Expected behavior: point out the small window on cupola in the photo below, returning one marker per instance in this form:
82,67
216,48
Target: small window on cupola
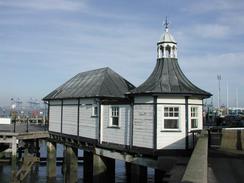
168,51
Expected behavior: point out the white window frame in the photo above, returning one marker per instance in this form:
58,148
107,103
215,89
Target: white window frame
171,117
114,114
194,115
94,110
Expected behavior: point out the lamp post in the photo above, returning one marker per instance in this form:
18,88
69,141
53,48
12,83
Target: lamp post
227,97
219,79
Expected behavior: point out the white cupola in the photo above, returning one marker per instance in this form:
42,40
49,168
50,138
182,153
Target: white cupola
167,46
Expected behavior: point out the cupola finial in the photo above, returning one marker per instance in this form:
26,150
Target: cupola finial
166,24
167,46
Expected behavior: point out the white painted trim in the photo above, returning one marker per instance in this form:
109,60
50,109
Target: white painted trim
101,125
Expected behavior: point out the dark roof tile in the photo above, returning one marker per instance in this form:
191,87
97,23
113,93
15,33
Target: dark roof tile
102,82
167,78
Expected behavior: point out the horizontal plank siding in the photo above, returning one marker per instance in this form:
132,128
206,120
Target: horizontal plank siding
70,119
88,124
55,118
117,135
143,126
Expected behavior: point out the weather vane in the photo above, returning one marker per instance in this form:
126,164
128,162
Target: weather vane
166,24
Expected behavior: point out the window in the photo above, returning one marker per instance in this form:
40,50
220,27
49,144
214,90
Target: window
171,118
94,111
194,116
115,116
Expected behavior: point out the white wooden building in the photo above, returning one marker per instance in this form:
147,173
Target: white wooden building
102,108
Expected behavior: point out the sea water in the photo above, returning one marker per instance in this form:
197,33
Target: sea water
38,173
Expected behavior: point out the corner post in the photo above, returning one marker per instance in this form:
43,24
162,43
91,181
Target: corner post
155,123
187,123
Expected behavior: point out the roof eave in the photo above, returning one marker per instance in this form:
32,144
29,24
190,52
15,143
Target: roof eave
206,95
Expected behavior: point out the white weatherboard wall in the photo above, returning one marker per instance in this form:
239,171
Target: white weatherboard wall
70,115
88,124
170,139
116,135
143,122
55,116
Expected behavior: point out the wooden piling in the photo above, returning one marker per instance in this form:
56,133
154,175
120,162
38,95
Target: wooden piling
51,162
136,173
71,165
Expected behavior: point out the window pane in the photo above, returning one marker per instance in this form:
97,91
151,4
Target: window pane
194,111
171,109
166,114
176,109
95,111
166,109
194,123
176,114
115,111
171,123
115,121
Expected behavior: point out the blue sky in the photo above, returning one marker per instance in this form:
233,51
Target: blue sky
45,42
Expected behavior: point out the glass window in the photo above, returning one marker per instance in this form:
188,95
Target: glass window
194,112
94,111
193,123
194,117
171,123
171,118
115,116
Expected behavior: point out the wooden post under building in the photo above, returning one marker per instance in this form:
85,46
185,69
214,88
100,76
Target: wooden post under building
51,160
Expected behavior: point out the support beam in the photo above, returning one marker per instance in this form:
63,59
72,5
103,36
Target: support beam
136,173
64,166
128,171
71,162
101,170
158,176
88,166
37,148
51,160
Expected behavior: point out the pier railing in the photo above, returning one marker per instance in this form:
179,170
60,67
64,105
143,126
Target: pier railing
22,127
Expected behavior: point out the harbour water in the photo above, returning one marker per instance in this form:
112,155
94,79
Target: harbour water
39,171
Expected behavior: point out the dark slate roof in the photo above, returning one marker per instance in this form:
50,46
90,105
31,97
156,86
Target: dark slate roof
102,82
167,78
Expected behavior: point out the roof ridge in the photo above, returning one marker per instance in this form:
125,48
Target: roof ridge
103,79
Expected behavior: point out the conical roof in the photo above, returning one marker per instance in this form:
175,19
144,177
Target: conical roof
167,78
166,37
102,82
